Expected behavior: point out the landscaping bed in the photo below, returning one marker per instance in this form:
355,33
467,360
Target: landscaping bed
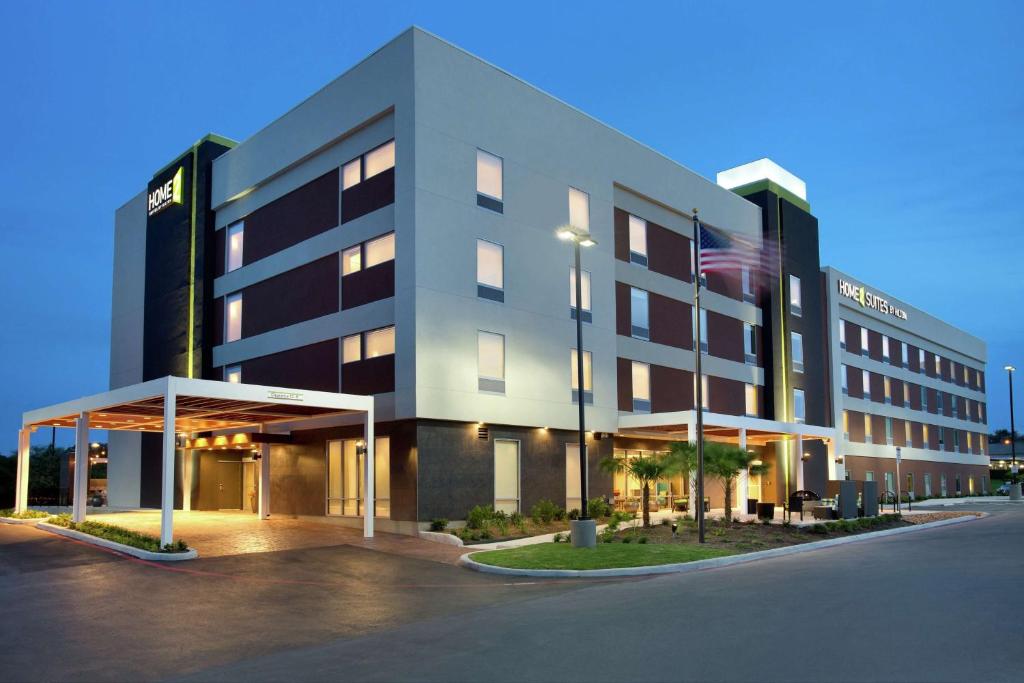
9,513
117,534
487,525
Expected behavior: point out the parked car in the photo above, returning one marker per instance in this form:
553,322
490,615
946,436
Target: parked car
1004,489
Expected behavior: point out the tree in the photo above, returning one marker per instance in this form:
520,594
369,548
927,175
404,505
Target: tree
1001,435
722,461
646,469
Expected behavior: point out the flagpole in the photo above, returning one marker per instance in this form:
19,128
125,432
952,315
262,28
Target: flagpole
698,380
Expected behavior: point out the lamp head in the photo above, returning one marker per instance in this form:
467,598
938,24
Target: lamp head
1010,368
570,233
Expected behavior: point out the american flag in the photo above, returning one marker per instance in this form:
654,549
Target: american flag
725,251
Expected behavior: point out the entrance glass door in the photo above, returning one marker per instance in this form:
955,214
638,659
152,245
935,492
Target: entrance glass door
346,478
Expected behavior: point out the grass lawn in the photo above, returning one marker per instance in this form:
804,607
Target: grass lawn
604,556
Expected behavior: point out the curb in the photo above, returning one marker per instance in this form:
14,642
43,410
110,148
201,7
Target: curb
33,521
441,537
713,563
189,554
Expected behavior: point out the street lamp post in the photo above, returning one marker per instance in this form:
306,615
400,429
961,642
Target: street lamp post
1013,430
584,529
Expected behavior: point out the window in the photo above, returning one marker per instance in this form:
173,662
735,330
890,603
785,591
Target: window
969,446
942,485
346,477
797,351
906,394
939,401
380,342
352,348
579,209
705,395
890,483
794,295
748,285
863,341
954,407
490,270
904,351
865,378
749,344
846,425
887,384
885,348
869,476
641,387
938,365
638,240
924,398
506,475
703,328
585,292
842,335
910,485
639,314
369,254
489,178
380,250
233,321
573,497
966,381
491,361
799,409
233,374
368,165
844,382
956,440
942,438
906,434
867,429
888,430
924,437
352,260
750,400
920,361
588,377
927,484
236,239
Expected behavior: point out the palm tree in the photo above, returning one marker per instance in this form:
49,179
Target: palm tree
722,461
646,469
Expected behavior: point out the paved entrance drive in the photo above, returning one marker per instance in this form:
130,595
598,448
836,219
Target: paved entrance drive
217,534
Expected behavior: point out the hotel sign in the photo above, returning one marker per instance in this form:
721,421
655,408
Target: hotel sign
285,395
171,192
866,299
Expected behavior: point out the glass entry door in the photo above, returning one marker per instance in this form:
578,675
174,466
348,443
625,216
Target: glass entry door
346,478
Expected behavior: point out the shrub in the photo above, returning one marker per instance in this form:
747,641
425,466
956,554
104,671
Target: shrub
664,522
627,539
642,539
818,529
598,507
559,514
502,524
557,538
27,514
574,513
438,524
479,517
119,534
485,534
544,511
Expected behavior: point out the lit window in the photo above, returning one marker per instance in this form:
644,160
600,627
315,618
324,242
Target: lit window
380,342
888,430
490,270
352,348
641,387
748,285
506,476
380,250
797,346
906,433
887,384
638,240
969,441
846,425
233,323
938,365
906,394
379,160
749,344
750,399
579,209
885,348
351,173
863,341
236,236
639,314
794,295
588,376
843,377
865,379
491,360
233,374
703,328
920,361
867,428
965,375
904,351
584,291
842,334
705,400
489,175
799,408
352,260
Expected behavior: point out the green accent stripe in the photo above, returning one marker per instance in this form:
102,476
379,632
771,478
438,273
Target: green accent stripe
192,266
761,185
211,137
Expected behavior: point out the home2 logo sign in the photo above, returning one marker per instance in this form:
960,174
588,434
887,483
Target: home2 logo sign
171,192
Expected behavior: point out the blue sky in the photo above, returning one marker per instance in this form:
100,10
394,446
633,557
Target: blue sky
903,118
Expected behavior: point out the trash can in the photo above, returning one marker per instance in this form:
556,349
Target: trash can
751,506
766,510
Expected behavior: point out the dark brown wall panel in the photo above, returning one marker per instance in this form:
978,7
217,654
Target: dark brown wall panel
877,388
896,351
944,367
896,386
874,345
913,358
369,284
727,284
933,401
293,218
369,376
917,435
368,196
852,337
671,389
621,235
854,382
725,337
624,383
933,437
304,293
671,321
727,396
899,432
622,309
313,367
855,420
668,252
878,429
915,396
929,364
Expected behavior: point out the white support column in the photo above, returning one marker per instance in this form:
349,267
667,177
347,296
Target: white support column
799,462
81,468
833,466
167,478
743,481
369,504
264,482
21,478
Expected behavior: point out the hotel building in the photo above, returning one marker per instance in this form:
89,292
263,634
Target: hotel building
393,235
